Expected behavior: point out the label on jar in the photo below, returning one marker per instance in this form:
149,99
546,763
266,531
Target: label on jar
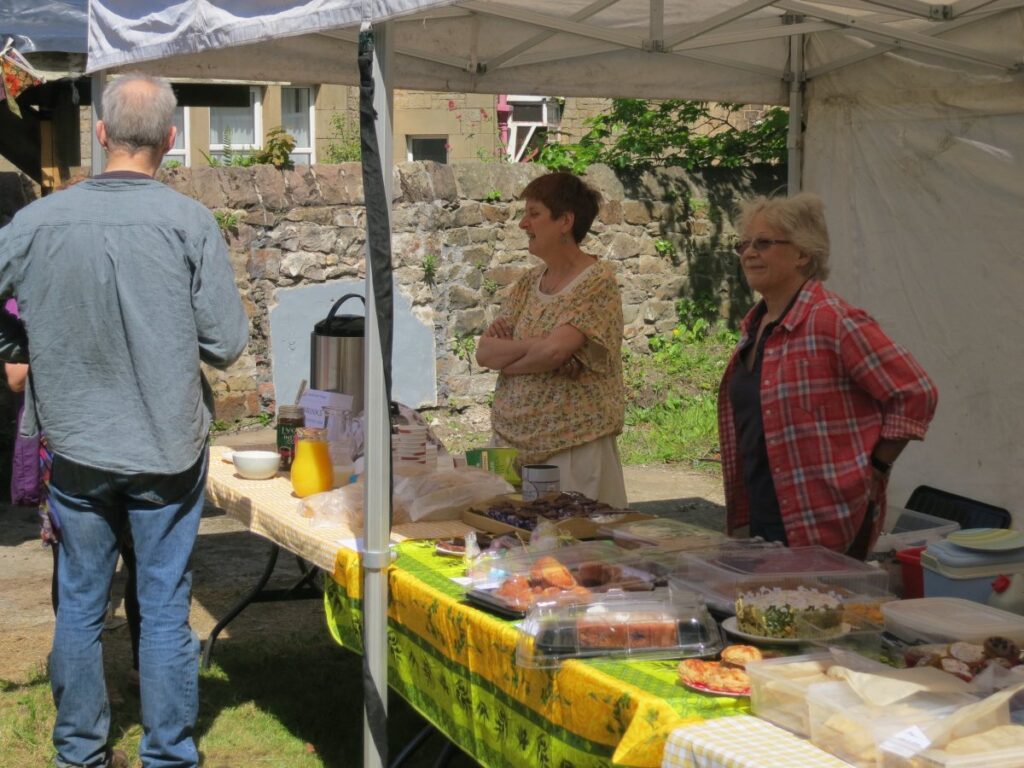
286,443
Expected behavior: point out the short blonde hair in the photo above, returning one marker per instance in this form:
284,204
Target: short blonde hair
802,219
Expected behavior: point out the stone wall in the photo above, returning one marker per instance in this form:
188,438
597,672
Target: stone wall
668,234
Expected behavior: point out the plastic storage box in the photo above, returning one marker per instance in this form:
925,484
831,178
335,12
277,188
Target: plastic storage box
664,533
912,529
911,578
953,571
947,619
723,575
778,687
845,725
617,626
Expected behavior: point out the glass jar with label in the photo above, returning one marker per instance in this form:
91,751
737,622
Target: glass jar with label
289,419
312,471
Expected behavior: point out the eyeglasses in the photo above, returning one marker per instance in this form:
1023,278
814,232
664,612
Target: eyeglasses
760,244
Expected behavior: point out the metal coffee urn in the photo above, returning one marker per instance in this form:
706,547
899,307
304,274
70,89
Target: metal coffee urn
336,353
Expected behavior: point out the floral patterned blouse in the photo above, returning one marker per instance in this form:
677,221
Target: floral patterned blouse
542,414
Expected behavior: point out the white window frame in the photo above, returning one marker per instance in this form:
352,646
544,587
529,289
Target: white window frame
550,116
257,127
410,137
183,156
311,149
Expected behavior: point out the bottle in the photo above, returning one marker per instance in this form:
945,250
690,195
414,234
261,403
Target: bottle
311,468
289,419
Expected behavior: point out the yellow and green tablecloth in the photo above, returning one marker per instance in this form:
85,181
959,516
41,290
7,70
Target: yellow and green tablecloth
457,666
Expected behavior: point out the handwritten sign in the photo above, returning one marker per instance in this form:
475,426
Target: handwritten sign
315,403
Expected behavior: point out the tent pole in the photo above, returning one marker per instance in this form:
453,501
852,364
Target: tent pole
376,555
795,138
97,155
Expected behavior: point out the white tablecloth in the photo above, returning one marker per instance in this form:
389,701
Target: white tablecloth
742,742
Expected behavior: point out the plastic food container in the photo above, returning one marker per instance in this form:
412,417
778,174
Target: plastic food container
853,730
938,758
912,529
918,751
512,583
723,575
617,625
947,619
953,571
664,533
778,687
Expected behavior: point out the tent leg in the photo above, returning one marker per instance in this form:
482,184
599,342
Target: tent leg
376,556
409,749
795,137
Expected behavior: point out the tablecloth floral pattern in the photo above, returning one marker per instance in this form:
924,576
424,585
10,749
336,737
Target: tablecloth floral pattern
456,665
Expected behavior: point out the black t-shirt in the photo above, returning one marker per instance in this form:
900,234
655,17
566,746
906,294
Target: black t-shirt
745,396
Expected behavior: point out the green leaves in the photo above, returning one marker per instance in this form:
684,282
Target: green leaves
636,134
345,146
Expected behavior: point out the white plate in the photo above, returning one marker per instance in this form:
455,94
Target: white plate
987,539
730,626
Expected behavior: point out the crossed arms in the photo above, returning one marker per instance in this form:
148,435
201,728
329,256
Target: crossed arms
499,351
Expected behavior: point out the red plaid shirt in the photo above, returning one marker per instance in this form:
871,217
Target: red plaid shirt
833,384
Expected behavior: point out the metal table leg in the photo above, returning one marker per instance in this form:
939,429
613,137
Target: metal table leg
303,589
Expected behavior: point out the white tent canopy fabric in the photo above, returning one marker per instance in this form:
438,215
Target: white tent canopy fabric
914,115
721,50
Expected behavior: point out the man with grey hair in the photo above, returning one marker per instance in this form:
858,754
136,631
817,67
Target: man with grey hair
124,287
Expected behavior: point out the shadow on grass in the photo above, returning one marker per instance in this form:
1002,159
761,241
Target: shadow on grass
293,702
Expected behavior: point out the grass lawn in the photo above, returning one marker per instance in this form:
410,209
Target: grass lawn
672,397
293,702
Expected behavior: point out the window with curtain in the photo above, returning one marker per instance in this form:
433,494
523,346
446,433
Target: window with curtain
297,119
240,128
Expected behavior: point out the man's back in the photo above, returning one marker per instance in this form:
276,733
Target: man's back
123,285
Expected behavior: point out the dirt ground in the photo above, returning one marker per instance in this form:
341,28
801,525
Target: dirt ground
227,561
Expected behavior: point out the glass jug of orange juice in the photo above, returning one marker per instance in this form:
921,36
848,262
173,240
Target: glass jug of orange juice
311,469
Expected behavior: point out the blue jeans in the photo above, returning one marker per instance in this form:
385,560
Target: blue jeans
163,513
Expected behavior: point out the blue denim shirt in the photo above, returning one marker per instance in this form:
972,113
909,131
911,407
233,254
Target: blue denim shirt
124,286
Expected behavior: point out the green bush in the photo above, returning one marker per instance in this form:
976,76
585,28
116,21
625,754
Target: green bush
344,146
638,134
672,394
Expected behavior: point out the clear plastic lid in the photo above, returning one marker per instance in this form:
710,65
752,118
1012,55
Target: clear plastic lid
724,574
512,583
617,625
947,619
664,533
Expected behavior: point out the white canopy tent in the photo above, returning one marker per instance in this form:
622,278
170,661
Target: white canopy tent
914,137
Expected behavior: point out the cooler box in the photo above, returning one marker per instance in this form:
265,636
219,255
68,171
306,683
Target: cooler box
952,571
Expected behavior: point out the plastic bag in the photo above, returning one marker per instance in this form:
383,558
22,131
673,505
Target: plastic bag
344,506
441,494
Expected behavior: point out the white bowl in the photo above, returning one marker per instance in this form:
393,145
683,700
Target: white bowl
257,465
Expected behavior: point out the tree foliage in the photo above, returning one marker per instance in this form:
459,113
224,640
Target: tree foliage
639,134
